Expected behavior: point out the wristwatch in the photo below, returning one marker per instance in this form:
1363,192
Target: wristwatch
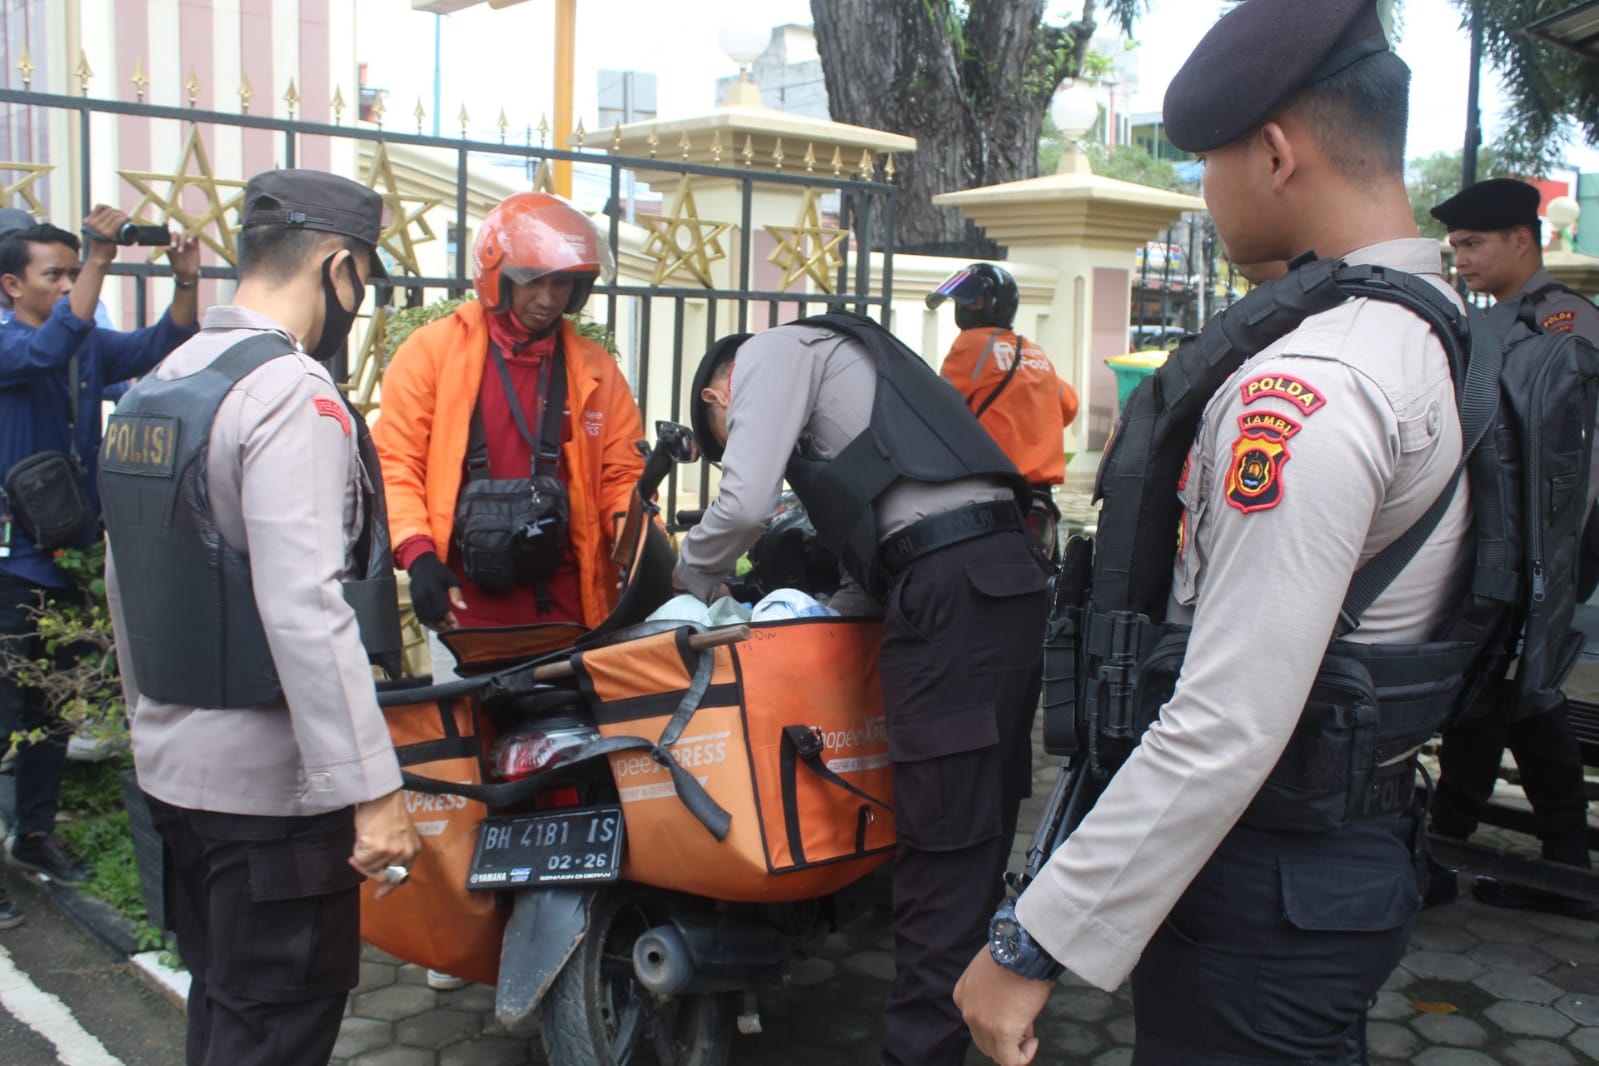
1017,951
180,283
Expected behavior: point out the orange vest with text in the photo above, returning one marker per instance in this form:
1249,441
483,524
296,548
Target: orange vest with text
1030,414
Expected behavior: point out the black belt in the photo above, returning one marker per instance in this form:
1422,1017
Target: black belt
941,530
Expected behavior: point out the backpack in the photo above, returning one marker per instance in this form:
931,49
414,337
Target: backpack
1530,477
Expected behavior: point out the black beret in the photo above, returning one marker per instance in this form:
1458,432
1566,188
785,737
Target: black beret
1256,57
721,352
1498,203
316,200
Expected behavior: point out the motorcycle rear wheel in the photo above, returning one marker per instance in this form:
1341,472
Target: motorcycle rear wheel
597,1014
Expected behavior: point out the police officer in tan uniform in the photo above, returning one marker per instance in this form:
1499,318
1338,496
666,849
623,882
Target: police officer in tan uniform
844,413
245,517
1248,944
1494,230
1494,227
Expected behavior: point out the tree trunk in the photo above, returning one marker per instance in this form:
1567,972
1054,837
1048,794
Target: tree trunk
973,95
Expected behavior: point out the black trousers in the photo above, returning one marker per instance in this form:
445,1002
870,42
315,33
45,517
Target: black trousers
1276,949
1550,761
962,638
267,916
38,766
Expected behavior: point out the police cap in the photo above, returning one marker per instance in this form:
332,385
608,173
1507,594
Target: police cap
316,200
1498,203
721,352
1259,55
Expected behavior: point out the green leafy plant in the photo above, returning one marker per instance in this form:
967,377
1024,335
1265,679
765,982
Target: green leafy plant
78,671
407,320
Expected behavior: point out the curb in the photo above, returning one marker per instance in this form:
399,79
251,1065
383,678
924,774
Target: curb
93,914
173,984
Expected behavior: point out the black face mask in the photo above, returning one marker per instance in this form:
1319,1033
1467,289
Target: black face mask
336,321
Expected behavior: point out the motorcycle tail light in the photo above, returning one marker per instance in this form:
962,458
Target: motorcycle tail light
518,755
557,798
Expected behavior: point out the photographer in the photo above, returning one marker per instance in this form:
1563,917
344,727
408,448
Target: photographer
54,364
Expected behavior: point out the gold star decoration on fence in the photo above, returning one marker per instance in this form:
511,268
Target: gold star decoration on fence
808,248
222,195
544,177
366,368
23,186
405,211
684,241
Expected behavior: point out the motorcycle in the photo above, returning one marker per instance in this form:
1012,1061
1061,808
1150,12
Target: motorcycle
667,829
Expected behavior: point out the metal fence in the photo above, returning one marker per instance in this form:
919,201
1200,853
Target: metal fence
1182,279
861,271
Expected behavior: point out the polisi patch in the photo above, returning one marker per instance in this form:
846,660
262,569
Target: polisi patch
334,410
1255,475
142,445
1560,322
1295,391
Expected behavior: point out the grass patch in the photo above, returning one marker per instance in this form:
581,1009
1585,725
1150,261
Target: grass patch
93,788
97,829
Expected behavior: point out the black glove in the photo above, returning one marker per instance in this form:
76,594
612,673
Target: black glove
431,582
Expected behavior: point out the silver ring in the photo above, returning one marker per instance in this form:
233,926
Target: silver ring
396,875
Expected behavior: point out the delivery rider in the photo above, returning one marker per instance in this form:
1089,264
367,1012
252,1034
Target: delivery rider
1009,384
500,397
924,508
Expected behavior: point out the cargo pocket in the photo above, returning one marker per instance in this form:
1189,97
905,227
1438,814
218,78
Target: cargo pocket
949,802
1009,602
298,934
1344,930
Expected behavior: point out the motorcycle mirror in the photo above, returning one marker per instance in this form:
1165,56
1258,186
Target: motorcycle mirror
677,440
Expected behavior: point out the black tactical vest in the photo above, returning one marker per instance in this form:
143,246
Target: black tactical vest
1112,659
921,430
191,623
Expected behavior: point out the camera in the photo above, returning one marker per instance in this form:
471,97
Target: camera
147,236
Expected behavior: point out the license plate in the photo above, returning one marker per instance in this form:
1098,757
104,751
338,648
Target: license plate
560,847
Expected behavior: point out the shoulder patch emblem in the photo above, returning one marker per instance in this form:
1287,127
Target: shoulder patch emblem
335,410
1182,479
1255,476
1296,392
1560,322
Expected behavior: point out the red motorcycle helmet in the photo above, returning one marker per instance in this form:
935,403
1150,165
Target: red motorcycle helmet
533,234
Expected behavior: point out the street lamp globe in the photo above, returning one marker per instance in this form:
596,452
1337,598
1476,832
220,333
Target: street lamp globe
1075,109
743,45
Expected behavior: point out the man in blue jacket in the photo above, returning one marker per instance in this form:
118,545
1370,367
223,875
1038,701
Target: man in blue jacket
50,335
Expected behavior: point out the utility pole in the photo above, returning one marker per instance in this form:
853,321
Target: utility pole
1468,155
565,44
438,77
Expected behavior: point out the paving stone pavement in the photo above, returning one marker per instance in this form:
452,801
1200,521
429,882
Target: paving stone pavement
1478,985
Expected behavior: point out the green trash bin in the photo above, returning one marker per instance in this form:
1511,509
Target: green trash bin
1132,368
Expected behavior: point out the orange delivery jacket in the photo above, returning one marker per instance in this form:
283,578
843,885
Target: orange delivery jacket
1032,412
429,391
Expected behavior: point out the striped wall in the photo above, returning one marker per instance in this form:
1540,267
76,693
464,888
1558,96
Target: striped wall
221,42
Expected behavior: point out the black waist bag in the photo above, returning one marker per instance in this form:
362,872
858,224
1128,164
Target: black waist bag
48,502
512,531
